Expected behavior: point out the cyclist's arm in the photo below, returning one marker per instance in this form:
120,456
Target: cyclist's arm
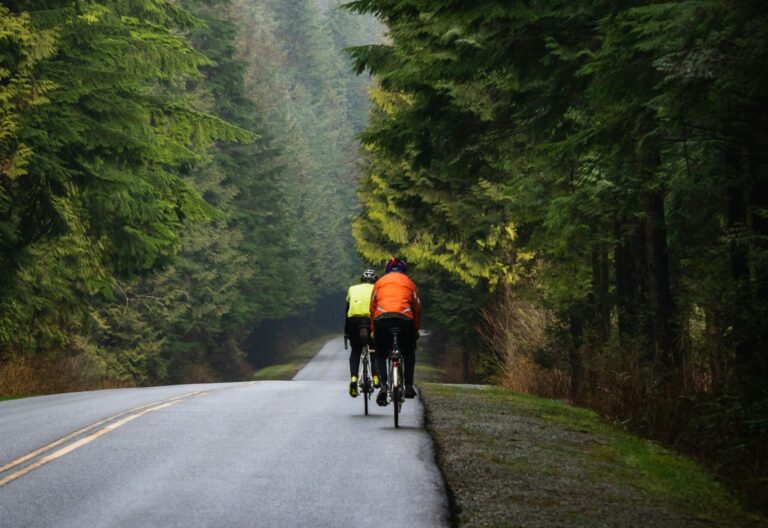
416,307
372,307
346,311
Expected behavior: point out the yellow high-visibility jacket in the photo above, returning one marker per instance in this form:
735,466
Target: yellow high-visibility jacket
359,300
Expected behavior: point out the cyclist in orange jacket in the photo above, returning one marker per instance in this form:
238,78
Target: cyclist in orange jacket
395,303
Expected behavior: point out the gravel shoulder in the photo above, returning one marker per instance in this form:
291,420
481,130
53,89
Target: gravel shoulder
517,460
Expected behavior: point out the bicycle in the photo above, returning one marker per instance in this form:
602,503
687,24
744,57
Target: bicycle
365,382
395,388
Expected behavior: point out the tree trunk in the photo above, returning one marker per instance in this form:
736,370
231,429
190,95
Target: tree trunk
626,291
465,364
736,217
576,319
660,294
746,231
600,293
757,218
663,330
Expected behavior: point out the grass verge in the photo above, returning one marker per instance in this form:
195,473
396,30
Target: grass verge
293,361
518,460
427,369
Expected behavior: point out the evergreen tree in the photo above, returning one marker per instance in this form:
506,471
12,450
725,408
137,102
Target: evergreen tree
174,175
102,192
606,162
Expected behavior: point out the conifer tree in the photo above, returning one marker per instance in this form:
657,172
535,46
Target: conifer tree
102,192
610,155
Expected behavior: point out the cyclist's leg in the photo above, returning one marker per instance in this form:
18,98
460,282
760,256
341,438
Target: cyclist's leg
372,351
374,372
355,345
406,341
354,357
409,351
354,365
383,345
374,367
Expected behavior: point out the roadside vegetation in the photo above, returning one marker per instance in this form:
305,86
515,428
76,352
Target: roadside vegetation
519,460
11,397
170,173
582,188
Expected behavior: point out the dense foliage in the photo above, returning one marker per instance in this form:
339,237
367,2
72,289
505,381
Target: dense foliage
598,171
170,175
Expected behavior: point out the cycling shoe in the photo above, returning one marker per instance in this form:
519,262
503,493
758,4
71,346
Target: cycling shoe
381,399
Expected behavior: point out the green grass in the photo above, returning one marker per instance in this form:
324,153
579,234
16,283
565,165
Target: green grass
12,397
636,461
592,466
426,364
293,361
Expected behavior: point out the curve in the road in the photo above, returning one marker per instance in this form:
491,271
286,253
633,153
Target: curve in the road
296,453
43,455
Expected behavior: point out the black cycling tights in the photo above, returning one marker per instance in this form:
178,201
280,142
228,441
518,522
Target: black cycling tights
356,343
406,339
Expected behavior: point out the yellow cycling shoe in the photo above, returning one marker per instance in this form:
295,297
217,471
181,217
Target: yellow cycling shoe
376,383
353,387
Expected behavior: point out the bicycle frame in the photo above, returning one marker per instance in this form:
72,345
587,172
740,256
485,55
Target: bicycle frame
395,385
364,379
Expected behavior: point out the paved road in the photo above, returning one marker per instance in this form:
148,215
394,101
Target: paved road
297,453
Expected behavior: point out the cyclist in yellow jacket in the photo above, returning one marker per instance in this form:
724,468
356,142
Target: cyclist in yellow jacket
358,317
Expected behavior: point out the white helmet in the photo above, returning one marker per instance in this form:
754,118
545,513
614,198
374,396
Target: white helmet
369,275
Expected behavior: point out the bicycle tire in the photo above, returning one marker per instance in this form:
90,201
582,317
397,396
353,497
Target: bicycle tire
396,389
396,405
366,384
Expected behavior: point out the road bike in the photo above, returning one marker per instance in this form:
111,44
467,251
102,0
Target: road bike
395,386
365,382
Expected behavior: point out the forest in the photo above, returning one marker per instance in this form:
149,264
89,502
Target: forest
174,177
580,188
583,187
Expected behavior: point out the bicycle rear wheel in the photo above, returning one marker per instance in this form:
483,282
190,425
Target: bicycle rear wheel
396,404
366,384
397,388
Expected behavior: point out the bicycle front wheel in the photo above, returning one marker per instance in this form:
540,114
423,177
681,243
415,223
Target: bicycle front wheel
366,384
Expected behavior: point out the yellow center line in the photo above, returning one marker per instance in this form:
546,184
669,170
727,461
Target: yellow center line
70,436
80,443
132,414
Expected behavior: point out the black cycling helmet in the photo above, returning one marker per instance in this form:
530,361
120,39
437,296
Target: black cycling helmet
369,275
397,264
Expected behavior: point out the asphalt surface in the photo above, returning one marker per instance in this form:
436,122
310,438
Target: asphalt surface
295,453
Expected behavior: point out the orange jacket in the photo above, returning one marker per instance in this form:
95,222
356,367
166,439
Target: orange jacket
396,293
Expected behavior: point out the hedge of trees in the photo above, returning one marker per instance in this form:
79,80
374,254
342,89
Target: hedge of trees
601,164
171,173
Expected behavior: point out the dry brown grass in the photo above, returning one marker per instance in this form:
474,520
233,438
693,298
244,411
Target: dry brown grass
25,376
516,330
694,408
